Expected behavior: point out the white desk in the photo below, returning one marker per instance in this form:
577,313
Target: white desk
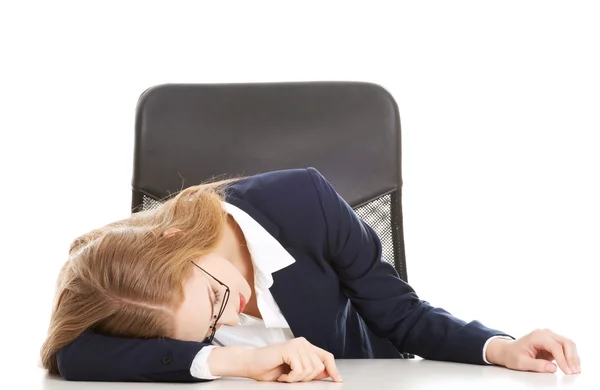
365,374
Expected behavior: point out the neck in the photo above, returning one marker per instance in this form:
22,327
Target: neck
236,251
239,256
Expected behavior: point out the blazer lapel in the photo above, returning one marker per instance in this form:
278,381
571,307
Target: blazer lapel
296,298
290,288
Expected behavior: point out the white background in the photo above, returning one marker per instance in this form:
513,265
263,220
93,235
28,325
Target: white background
499,104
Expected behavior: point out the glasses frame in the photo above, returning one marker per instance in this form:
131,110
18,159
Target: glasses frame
216,317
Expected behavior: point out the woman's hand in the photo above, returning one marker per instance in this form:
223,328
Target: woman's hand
535,352
296,360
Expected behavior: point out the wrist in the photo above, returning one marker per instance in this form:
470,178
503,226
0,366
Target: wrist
229,361
495,351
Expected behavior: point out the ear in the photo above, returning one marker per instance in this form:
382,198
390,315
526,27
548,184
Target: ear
171,231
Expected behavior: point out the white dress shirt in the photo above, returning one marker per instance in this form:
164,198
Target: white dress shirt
268,256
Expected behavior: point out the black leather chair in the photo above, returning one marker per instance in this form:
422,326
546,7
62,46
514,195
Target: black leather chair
350,131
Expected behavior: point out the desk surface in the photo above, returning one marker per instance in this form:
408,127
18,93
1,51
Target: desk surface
364,374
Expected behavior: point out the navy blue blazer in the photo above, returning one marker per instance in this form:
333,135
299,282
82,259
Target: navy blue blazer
339,294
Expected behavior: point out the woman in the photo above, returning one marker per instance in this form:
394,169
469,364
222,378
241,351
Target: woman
269,277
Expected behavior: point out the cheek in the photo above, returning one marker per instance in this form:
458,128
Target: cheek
191,316
231,276
188,324
244,287
238,286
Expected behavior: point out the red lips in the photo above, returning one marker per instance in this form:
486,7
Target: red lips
242,303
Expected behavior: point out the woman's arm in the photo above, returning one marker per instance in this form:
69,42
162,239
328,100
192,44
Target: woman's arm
389,306
96,357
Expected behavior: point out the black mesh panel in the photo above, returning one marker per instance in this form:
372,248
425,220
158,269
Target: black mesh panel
149,203
377,214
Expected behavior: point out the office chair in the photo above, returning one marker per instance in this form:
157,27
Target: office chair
187,134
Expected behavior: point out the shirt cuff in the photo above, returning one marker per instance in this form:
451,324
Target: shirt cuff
200,367
488,341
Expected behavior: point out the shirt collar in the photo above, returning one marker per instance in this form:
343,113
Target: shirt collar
267,254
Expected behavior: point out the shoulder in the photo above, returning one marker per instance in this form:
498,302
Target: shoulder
272,185
290,199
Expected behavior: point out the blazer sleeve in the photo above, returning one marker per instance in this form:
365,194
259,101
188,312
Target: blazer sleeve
97,357
389,306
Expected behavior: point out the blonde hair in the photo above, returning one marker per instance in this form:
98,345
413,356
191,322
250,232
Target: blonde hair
125,279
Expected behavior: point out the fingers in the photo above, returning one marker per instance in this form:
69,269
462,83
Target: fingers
562,349
309,363
318,366
322,375
308,367
570,351
555,348
304,364
329,362
296,369
536,365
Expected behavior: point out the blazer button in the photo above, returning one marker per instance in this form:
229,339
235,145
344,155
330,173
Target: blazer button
167,359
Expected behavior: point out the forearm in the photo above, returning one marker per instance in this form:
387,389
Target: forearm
436,334
96,357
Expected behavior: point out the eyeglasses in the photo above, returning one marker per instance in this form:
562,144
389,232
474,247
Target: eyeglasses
216,317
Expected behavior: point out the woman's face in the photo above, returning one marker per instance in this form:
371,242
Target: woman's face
203,298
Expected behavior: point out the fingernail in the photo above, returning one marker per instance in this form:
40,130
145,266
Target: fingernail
339,378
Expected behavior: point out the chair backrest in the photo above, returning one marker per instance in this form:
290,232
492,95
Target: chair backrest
187,134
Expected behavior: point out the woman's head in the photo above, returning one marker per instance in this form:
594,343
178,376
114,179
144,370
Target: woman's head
132,277
216,291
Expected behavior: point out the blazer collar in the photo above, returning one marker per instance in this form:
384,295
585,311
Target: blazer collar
254,213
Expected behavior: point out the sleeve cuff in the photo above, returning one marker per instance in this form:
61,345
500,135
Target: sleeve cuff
486,345
200,367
